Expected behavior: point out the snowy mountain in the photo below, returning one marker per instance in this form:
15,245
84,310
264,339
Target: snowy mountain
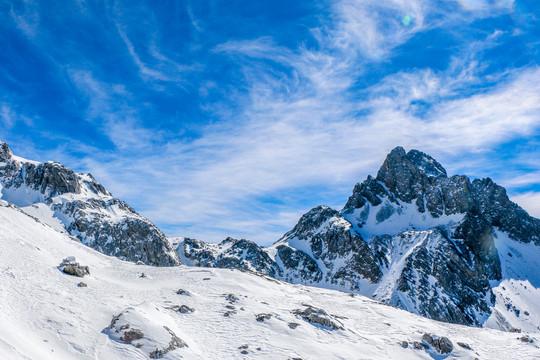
121,310
447,248
79,205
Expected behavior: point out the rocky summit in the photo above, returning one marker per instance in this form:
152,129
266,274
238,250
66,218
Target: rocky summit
79,205
447,248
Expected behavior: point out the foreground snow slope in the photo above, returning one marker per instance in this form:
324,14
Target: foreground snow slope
45,315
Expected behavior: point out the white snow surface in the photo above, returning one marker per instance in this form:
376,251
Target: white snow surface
45,315
518,294
404,217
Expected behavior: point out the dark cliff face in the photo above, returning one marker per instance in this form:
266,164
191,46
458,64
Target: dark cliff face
5,152
52,179
405,174
327,234
87,210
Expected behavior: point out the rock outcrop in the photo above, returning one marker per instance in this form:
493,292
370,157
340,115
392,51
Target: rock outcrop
85,208
70,266
139,327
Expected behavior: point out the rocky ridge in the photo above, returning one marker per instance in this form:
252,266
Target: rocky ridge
80,205
411,237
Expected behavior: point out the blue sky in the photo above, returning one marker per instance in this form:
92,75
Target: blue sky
218,118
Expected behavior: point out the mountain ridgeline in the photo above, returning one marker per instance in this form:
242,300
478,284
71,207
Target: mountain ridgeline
411,237
78,204
447,248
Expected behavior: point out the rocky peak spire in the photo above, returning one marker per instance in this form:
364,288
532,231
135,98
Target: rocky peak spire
5,152
402,172
413,161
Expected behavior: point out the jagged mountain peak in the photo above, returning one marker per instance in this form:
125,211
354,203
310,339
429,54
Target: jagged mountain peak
403,172
414,161
5,152
317,216
413,182
412,237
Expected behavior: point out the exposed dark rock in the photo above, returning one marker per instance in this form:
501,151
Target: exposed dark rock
121,330
5,152
81,284
71,267
262,317
184,309
231,298
464,345
182,292
174,343
442,345
136,238
427,338
328,235
237,254
293,325
318,316
132,334
526,338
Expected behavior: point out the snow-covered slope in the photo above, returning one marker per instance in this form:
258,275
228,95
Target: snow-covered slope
444,247
78,204
235,314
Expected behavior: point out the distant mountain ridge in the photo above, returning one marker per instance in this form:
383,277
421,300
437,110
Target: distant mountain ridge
80,205
447,248
412,237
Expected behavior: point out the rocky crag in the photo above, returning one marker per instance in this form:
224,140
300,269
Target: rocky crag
78,204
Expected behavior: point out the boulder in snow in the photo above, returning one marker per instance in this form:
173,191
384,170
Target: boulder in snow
318,316
442,345
70,266
146,328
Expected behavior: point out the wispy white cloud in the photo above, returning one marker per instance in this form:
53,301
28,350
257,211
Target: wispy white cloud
143,68
530,201
303,133
10,117
151,61
213,185
110,109
26,17
485,5
7,116
374,28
